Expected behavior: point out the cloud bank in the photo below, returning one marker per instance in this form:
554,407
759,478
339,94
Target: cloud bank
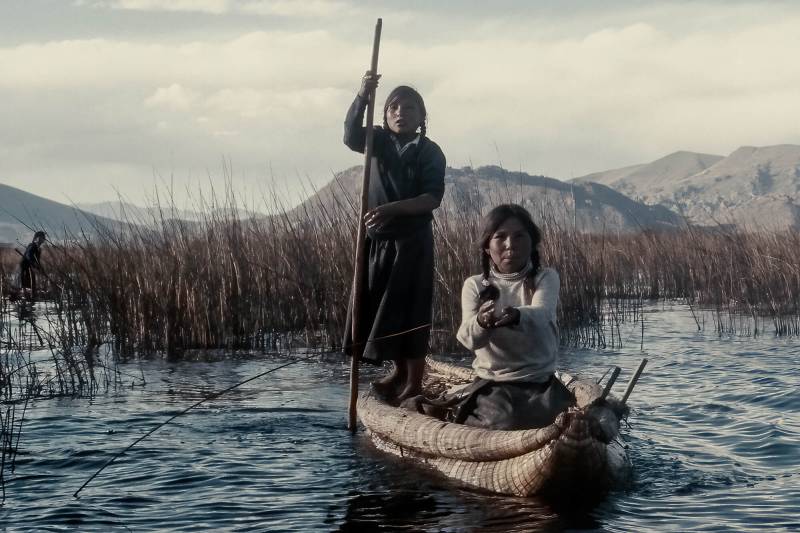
88,114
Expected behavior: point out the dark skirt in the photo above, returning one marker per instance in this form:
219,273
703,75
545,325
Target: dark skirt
512,405
397,309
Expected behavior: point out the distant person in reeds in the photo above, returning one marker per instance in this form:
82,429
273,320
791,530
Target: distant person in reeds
509,322
406,185
30,264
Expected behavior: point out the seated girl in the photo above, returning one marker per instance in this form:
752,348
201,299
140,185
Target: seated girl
509,322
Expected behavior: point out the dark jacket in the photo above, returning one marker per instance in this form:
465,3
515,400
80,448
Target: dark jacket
418,171
31,257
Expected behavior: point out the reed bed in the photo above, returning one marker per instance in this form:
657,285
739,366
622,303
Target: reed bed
264,283
268,283
747,280
34,364
253,284
8,261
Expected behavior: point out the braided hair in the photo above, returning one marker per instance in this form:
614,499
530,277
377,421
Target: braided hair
493,220
404,91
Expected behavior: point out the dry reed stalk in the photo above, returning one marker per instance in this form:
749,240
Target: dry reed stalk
257,283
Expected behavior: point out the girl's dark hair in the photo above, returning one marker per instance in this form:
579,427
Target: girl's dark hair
404,91
493,220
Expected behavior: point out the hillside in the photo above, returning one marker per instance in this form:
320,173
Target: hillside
645,182
589,206
149,216
20,211
754,187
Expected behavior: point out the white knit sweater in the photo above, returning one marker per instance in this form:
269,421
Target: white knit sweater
524,352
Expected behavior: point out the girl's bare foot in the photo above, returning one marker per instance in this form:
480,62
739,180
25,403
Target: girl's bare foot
409,392
384,391
387,387
412,385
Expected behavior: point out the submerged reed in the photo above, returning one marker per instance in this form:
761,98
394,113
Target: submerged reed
35,364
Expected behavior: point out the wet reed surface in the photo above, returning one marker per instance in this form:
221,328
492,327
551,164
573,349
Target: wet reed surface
714,438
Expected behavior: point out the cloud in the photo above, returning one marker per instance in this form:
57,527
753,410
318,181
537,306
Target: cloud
613,97
174,97
297,8
283,8
559,100
200,6
277,59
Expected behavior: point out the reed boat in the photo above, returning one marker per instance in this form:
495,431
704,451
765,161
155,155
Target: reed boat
580,453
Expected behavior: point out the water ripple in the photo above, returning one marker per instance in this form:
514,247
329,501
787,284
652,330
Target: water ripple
714,438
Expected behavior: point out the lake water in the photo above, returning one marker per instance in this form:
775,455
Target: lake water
714,438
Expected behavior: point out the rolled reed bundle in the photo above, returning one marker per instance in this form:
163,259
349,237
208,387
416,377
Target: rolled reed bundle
573,461
429,435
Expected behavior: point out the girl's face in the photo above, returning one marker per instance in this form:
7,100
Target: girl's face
510,246
404,116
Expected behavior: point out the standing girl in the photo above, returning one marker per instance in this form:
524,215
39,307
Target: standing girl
406,185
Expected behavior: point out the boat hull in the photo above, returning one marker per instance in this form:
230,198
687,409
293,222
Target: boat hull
579,453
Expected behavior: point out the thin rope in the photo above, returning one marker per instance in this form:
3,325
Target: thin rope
217,395
173,417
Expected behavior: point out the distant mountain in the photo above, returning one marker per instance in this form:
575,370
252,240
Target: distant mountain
591,207
21,213
646,182
755,187
127,212
117,210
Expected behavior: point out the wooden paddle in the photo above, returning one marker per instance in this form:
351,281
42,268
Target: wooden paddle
360,257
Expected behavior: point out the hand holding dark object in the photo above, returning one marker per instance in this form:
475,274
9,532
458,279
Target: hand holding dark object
368,84
509,317
486,315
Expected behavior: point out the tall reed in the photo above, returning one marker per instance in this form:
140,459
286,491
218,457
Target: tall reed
268,282
257,283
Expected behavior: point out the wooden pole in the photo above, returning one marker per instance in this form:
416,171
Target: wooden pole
634,379
360,257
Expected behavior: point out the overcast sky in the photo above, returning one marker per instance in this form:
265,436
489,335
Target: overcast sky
100,96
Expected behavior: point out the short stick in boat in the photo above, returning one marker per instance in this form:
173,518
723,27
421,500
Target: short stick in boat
634,379
610,383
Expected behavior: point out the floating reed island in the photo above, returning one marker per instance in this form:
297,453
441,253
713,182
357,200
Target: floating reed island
269,283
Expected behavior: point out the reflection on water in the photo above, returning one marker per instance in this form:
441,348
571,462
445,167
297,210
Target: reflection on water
714,439
370,512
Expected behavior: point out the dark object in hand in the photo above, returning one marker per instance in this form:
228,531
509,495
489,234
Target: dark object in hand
509,316
490,292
